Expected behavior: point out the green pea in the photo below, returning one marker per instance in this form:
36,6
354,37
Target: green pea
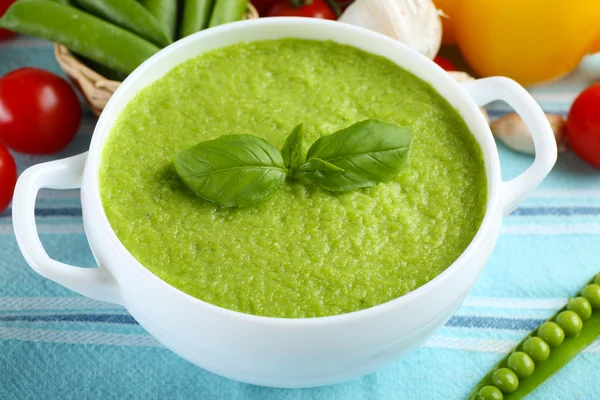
521,364
537,349
506,380
570,322
597,280
551,333
490,393
592,294
581,306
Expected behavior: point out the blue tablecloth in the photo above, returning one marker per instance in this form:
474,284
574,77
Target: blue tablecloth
55,344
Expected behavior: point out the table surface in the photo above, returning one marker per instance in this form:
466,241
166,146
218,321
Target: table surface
55,344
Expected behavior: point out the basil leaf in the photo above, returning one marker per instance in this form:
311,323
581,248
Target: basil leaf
233,170
369,152
318,171
292,152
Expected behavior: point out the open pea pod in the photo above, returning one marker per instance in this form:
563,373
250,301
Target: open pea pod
79,31
545,350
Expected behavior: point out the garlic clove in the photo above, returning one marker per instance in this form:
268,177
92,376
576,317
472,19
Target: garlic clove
512,131
415,23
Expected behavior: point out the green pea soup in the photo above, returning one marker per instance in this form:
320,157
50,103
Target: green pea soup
305,252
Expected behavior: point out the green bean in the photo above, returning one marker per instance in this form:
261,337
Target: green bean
545,365
131,15
81,32
195,17
226,11
165,11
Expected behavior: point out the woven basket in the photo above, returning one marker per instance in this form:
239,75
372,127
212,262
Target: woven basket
95,88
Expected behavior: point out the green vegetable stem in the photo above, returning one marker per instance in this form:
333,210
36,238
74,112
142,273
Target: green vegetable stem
545,350
81,32
226,11
195,16
131,15
165,11
242,170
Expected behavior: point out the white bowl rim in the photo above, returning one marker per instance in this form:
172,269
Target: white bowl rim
491,159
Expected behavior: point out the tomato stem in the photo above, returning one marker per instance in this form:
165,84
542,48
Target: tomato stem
300,3
335,7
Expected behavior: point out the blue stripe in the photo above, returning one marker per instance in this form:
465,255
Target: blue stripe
455,322
103,318
494,323
519,212
555,211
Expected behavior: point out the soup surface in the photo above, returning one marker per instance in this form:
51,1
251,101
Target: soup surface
304,252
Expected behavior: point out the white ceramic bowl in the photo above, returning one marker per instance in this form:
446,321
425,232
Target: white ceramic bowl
272,351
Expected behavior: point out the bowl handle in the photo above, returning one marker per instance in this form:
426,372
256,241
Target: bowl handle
484,91
97,283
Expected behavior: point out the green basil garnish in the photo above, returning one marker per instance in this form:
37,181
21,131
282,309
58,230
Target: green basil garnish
369,152
233,170
292,151
242,170
318,171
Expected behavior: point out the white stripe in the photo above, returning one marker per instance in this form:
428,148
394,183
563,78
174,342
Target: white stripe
587,229
485,345
43,229
136,340
78,337
518,303
54,303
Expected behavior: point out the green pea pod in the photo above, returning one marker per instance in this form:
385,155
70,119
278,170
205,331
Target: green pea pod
81,32
195,17
559,355
131,15
63,2
165,11
226,11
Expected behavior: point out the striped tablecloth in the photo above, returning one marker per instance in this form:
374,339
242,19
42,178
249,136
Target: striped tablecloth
57,345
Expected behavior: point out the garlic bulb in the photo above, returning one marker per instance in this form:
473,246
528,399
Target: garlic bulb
415,23
512,131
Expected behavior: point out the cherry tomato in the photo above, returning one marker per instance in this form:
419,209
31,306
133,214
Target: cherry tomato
263,6
311,9
4,4
39,111
583,125
8,178
444,63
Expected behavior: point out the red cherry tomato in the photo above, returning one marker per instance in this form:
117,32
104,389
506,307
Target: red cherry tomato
39,111
8,178
444,63
314,9
583,125
263,6
4,4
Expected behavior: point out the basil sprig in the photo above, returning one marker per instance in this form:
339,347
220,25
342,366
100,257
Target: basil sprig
242,170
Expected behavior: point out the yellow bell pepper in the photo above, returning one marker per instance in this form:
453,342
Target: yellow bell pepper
531,41
447,7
